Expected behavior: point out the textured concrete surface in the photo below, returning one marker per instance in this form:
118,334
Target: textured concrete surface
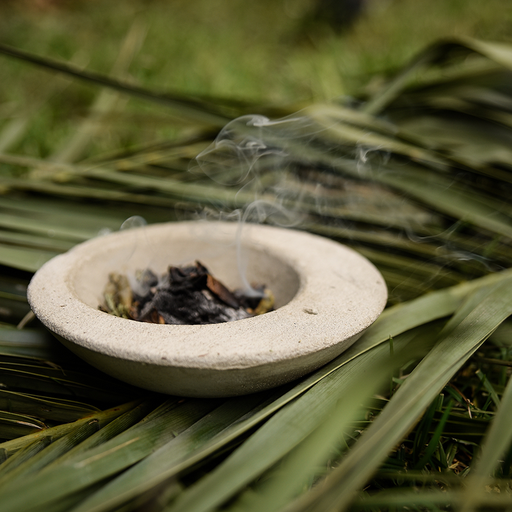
326,294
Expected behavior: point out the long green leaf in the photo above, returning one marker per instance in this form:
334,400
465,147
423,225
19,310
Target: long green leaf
45,408
48,454
200,112
14,425
104,417
30,449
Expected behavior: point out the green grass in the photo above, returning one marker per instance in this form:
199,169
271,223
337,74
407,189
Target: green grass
225,48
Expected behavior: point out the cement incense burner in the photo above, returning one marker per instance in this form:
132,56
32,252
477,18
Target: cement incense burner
326,296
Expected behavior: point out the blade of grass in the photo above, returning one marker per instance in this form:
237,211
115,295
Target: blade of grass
175,188
197,111
379,101
432,445
24,258
466,205
48,454
43,227
106,433
36,379
35,242
433,54
29,450
14,425
104,417
489,387
43,407
333,129
36,343
497,440
87,192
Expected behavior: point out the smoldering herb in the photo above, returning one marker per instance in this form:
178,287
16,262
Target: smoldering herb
184,295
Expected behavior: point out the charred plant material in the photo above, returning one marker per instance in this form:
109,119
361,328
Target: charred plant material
184,295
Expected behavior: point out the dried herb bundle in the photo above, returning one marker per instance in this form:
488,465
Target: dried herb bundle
184,295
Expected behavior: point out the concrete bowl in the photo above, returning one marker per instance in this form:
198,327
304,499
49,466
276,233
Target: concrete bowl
326,296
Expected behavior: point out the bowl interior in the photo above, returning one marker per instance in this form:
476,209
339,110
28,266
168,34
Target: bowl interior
147,248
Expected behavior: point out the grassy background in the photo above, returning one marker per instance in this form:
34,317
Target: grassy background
258,52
